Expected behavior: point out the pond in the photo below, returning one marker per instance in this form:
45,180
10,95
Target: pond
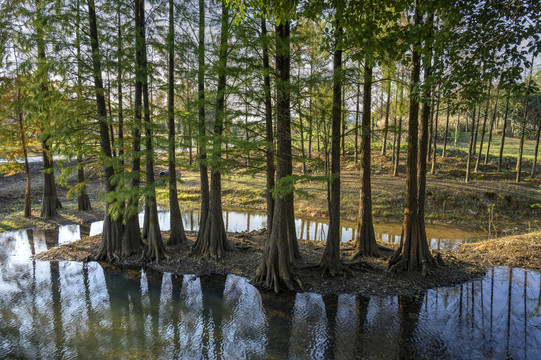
67,310
440,237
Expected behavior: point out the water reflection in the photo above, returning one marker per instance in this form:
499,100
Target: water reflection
440,238
91,310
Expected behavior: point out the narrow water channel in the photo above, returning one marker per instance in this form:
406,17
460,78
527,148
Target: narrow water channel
68,310
440,237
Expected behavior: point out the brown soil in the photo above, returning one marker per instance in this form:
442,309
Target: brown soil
369,276
12,190
449,201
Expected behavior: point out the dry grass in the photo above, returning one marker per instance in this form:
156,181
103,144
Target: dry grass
522,251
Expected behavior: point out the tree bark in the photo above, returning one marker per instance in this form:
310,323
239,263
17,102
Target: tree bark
500,159
386,124
343,121
470,149
435,138
275,271
330,261
491,126
120,97
177,235
269,136
399,136
457,128
446,132
357,110
131,238
431,126
203,172
476,131
413,253
484,128
365,240
27,191
83,201
523,130
110,246
156,248
50,202
534,163
212,240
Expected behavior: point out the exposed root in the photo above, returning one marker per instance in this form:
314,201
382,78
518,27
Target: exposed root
212,239
360,254
439,259
360,265
385,248
110,247
333,268
131,237
306,266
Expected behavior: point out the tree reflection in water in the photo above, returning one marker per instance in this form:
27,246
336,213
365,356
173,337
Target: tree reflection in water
92,310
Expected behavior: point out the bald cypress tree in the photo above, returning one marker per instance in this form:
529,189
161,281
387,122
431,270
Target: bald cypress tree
112,223
212,240
413,253
177,235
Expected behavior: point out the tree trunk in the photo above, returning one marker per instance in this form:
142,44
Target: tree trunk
386,124
435,138
50,202
476,131
470,149
491,127
119,84
483,129
269,136
131,238
413,253
357,110
330,261
521,144
177,235
399,136
275,271
111,130
156,248
393,155
534,163
83,201
431,126
446,131
457,128
301,128
365,240
343,120
523,131
500,159
27,191
110,246
203,173
212,240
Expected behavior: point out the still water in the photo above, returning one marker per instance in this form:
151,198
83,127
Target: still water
440,237
64,310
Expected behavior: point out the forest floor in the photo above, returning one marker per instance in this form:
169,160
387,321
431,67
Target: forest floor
450,202
369,275
490,197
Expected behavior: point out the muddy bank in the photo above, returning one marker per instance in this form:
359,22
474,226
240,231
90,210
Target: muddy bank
369,276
